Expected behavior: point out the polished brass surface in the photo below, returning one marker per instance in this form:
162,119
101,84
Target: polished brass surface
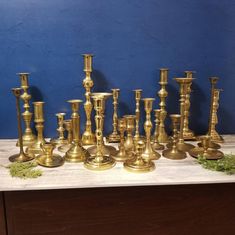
212,144
156,145
163,137
173,152
99,161
47,158
28,137
114,137
88,137
139,164
149,152
39,120
60,140
22,156
138,93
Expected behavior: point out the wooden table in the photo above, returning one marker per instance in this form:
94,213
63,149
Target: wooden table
179,197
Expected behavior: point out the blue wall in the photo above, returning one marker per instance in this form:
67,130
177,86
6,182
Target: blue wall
131,39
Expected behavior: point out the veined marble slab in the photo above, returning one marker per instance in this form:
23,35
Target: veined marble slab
74,175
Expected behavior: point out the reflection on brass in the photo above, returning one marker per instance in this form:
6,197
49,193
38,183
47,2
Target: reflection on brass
88,137
99,161
28,137
148,152
173,152
139,164
114,137
138,93
156,145
39,120
76,153
47,158
60,140
22,156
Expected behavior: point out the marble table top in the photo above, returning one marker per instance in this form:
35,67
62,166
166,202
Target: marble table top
74,175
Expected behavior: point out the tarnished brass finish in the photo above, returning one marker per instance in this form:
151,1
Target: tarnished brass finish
47,158
138,93
88,137
39,120
60,140
76,153
114,137
163,137
156,145
22,156
173,152
99,161
28,137
205,150
68,127
149,152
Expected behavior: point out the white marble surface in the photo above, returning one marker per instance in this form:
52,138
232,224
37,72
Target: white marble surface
74,175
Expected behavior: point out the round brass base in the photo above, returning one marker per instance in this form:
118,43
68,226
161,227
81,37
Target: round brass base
21,157
212,145
211,154
107,163
88,138
123,156
139,166
54,161
106,150
35,148
76,154
157,146
189,135
163,138
113,138
64,148
218,140
174,154
27,140
150,155
59,141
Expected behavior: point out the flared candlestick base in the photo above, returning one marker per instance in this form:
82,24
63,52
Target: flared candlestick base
54,161
21,157
76,154
139,166
210,154
174,154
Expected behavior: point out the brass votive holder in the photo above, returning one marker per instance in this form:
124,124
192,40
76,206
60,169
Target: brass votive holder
156,145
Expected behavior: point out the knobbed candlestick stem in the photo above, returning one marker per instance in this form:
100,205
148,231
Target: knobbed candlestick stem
138,93
156,145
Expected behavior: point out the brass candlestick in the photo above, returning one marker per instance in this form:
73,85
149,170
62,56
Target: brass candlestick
114,137
173,152
88,137
156,145
22,156
163,137
76,153
99,161
138,93
60,140
148,152
28,137
68,127
48,158
39,120
130,126
139,164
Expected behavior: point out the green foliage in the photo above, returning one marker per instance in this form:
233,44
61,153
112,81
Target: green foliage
226,164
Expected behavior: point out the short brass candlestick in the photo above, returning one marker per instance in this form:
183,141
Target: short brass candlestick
130,126
60,140
48,158
68,127
88,137
99,161
138,93
156,145
163,137
173,152
139,164
28,137
39,120
76,153
22,156
114,137
149,152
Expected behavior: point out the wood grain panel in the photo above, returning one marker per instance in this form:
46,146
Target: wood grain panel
2,216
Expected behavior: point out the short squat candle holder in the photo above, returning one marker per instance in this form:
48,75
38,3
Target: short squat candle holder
156,145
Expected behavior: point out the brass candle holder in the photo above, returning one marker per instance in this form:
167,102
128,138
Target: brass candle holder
76,153
163,137
48,158
88,137
173,152
114,137
61,139
39,120
68,127
129,141
28,137
99,161
22,156
149,152
139,164
156,145
138,93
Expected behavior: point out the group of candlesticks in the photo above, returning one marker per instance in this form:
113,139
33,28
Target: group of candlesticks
135,151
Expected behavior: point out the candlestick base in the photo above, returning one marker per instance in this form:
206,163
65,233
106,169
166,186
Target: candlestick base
76,154
64,148
21,157
54,161
210,154
88,138
59,142
174,154
35,148
212,145
139,166
106,150
28,139
189,135
113,138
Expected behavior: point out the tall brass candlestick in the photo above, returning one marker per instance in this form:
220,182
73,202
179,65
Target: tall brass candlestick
163,137
114,137
138,93
28,137
88,137
22,156
156,145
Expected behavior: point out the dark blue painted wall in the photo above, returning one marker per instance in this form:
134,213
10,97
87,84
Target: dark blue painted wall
131,39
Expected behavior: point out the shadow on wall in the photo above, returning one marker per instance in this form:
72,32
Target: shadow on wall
100,81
